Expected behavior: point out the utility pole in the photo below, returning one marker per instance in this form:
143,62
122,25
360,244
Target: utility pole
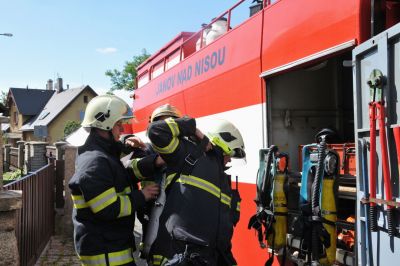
3,119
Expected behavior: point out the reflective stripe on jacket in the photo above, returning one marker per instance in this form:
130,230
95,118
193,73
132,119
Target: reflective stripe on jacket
201,184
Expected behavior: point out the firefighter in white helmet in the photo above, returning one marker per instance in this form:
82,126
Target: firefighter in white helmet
103,193
197,222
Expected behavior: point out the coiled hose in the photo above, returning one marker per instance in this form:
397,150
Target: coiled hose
316,186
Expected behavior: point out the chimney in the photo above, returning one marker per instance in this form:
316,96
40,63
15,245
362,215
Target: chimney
59,85
49,85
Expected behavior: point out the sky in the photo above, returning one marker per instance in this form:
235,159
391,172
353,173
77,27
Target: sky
78,40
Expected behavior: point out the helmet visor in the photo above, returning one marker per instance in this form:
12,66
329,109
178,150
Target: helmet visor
126,121
127,118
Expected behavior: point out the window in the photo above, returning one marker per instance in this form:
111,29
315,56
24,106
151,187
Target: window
15,118
81,115
85,99
143,79
44,116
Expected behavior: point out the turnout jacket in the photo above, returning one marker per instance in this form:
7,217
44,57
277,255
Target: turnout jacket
105,200
198,208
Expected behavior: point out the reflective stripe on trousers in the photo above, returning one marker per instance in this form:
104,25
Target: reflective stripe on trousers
159,260
114,258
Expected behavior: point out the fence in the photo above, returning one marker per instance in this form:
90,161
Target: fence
14,159
59,183
35,221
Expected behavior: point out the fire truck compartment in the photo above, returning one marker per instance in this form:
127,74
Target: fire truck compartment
305,100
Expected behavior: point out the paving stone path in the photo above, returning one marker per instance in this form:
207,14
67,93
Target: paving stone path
60,249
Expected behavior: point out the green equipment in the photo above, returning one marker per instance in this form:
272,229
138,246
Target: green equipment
270,220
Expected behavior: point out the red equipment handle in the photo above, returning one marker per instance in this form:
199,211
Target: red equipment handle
373,211
396,133
372,151
384,149
386,171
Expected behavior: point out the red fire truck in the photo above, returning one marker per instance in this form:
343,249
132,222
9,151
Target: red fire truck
280,75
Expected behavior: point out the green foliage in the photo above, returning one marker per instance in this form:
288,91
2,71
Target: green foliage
3,98
11,176
71,126
3,103
125,79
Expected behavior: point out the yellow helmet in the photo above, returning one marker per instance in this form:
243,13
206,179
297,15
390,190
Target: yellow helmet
104,111
165,110
225,135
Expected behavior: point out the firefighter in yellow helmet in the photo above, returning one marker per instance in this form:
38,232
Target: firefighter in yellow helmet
149,218
197,222
164,111
103,193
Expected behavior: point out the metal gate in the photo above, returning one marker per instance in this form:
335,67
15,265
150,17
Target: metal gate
35,220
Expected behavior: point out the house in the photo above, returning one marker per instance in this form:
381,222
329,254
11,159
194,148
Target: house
60,106
5,127
24,104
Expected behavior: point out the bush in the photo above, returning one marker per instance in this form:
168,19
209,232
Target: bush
71,126
9,177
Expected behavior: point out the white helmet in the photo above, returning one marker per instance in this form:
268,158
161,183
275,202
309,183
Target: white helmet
226,136
104,111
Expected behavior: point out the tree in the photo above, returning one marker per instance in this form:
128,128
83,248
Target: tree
3,103
3,98
125,79
71,126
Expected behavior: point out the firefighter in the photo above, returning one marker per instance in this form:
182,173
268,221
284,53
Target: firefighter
103,193
163,112
196,225
150,215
